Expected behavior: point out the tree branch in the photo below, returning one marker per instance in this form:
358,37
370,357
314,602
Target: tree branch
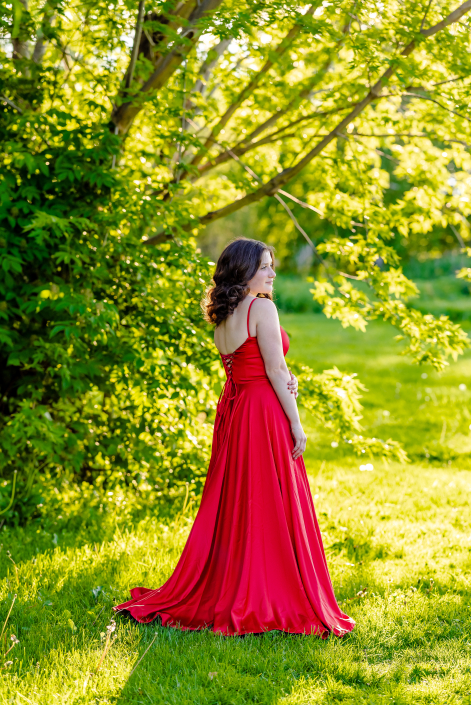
425,14
253,83
76,60
432,100
248,143
315,80
457,235
412,136
11,103
20,46
165,236
135,46
290,212
303,204
166,65
208,65
451,19
244,147
449,80
17,108
304,234
40,46
282,178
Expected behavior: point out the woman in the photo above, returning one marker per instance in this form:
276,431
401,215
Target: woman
254,559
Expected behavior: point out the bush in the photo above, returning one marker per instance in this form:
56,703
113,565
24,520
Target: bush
105,361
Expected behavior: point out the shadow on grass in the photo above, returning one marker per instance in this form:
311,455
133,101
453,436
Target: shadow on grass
202,667
399,640
40,537
174,668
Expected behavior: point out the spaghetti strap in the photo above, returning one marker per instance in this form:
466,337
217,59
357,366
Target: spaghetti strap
248,317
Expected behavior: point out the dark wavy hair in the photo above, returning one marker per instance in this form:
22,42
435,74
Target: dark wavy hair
236,266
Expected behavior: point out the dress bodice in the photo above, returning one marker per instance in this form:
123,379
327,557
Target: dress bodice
246,363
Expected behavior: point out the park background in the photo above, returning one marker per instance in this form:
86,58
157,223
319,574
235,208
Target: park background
137,141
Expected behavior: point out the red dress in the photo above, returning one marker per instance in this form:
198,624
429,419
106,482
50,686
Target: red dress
254,559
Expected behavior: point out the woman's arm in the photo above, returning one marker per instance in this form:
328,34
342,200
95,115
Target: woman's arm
271,347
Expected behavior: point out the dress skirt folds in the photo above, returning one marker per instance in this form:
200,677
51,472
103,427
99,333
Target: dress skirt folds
254,559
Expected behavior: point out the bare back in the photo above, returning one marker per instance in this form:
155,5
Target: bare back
232,332
260,321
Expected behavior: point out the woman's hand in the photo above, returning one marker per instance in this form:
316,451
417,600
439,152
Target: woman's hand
300,439
293,384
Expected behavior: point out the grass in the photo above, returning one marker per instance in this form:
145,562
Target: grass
398,541
429,413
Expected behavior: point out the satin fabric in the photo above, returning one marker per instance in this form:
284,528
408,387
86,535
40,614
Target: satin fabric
254,559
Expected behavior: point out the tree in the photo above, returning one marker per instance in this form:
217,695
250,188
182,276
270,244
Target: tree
126,128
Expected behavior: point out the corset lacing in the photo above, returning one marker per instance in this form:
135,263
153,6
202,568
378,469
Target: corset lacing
229,391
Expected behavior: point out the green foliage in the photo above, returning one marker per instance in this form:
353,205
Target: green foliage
105,359
431,340
292,295
334,399
112,162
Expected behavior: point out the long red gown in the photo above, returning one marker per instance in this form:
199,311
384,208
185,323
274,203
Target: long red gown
254,559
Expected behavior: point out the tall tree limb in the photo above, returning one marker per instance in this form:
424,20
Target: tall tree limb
21,47
253,83
248,142
136,44
41,40
440,105
165,65
414,135
244,147
164,236
208,65
312,83
282,178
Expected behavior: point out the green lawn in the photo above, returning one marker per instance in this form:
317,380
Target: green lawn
429,413
398,535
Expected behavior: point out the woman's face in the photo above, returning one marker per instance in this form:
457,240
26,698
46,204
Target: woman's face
262,282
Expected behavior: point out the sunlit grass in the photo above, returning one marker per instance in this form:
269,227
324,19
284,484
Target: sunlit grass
398,535
428,412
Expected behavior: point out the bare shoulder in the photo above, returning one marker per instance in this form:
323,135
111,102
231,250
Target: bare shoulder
265,309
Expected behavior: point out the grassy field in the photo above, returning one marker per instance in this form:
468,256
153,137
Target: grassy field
429,413
398,541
